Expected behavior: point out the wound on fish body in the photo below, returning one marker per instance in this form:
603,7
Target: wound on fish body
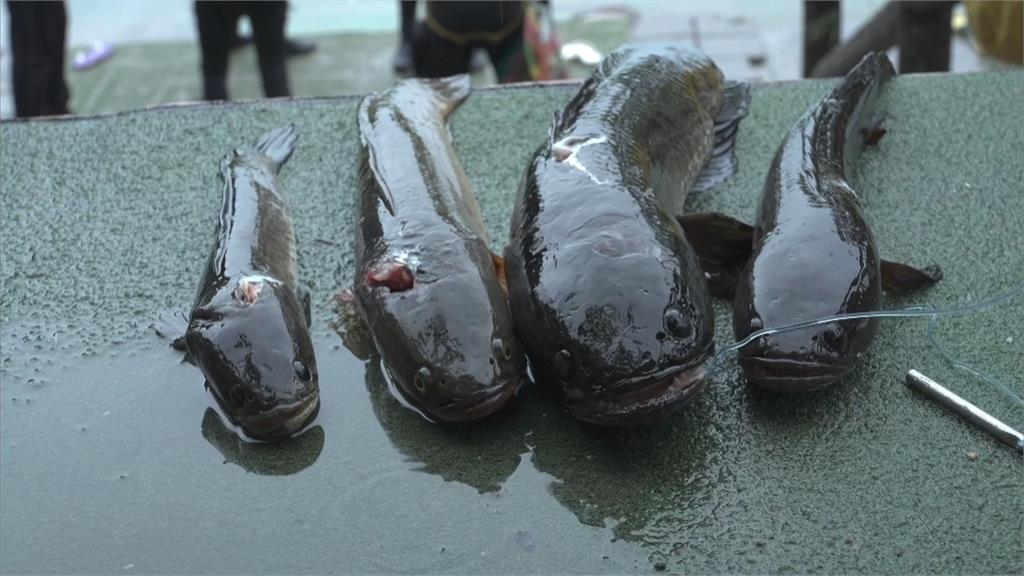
394,275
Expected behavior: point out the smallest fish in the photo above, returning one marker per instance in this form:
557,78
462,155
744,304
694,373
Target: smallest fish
249,327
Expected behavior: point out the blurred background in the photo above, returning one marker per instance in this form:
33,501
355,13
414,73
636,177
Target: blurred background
128,54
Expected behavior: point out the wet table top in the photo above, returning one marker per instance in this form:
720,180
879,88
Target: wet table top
111,461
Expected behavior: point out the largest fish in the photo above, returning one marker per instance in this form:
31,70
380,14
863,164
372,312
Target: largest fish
810,253
427,286
248,331
606,291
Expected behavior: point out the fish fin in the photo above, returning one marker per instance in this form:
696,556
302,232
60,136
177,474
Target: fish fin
722,162
306,299
451,91
499,271
173,325
369,167
179,344
278,145
351,325
898,277
723,245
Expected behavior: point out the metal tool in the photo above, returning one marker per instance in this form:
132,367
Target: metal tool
939,393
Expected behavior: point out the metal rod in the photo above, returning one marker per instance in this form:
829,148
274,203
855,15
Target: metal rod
937,392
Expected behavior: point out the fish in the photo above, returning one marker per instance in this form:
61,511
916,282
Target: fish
248,331
810,252
428,289
606,292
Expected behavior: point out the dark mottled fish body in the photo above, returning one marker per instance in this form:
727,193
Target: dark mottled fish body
426,282
813,252
248,328
606,291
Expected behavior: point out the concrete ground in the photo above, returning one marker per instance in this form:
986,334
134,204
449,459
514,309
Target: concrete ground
157,59
111,460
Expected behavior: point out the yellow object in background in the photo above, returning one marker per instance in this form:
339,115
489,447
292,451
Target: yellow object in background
998,28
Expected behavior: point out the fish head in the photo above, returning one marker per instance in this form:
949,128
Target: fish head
443,332
805,359
620,319
252,343
781,287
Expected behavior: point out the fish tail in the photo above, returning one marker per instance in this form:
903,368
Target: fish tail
722,163
278,144
852,106
451,91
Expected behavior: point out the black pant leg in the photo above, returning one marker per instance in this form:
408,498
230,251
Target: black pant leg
37,43
408,10
216,23
268,20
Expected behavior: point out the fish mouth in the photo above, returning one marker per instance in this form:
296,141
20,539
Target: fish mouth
281,421
648,399
788,375
477,406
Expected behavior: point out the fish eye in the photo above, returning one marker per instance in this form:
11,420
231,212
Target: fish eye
422,379
237,396
563,365
500,349
834,338
676,324
301,371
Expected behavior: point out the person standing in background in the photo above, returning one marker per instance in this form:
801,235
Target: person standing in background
510,31
217,23
37,45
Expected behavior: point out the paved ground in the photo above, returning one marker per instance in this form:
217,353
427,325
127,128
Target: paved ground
111,463
157,60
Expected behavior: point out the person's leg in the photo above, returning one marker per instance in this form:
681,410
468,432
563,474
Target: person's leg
216,23
509,59
403,61
436,57
821,31
37,69
22,46
55,31
268,19
924,36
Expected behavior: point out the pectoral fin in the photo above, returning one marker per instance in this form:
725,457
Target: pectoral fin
172,325
898,277
722,163
723,245
306,298
351,325
499,271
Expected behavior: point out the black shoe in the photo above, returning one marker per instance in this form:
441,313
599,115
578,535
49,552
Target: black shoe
298,47
402,62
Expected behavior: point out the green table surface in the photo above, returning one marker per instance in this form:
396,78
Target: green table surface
110,462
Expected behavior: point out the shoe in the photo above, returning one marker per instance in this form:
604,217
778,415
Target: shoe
402,62
298,47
